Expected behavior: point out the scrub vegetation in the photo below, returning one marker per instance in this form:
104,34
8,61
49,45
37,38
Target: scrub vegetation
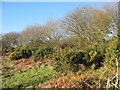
79,51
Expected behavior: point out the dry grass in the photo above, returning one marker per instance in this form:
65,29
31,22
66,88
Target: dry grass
22,64
89,79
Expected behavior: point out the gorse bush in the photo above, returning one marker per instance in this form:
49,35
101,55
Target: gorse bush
15,56
33,49
112,53
20,52
26,52
4,50
61,63
87,56
67,60
18,48
43,51
95,55
92,54
76,57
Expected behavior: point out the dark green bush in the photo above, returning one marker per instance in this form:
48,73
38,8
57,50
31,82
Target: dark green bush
112,54
26,52
43,51
70,42
66,45
87,56
95,55
51,43
20,52
15,56
61,63
76,57
33,49
18,48
4,50
67,60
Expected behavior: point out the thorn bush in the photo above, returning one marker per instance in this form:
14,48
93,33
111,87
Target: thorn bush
20,52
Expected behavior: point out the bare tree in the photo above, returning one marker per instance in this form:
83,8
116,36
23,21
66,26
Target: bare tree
46,32
10,40
89,23
31,33
52,29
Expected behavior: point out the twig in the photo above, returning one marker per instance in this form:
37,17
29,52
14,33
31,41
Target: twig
109,82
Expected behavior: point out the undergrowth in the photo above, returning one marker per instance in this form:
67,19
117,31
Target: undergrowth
28,78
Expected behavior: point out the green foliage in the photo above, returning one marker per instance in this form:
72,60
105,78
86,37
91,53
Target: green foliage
70,42
60,60
111,54
87,56
67,44
76,57
100,53
51,43
66,60
15,56
28,78
93,66
18,48
35,43
95,55
43,51
33,49
26,52
19,53
4,50
92,54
